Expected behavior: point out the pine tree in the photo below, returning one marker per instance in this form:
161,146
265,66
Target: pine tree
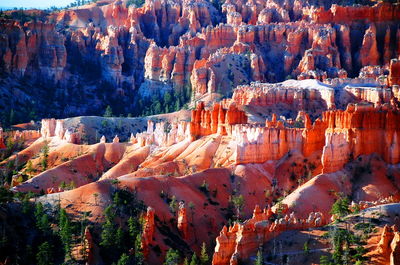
45,156
65,231
108,112
39,211
203,254
42,220
12,117
172,257
194,260
139,257
259,259
44,224
107,235
119,238
44,255
238,203
341,207
123,260
173,205
324,260
29,167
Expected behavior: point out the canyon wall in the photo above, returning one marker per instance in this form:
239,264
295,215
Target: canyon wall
360,130
178,45
239,241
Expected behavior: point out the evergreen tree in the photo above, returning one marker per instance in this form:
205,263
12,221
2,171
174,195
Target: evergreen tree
157,108
42,220
44,224
238,203
194,260
108,112
324,260
119,238
203,254
108,229
65,231
177,104
123,260
341,207
173,205
5,195
139,257
39,211
259,259
45,156
12,117
29,167
44,255
172,257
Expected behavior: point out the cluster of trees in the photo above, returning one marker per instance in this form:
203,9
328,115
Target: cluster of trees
122,229
165,103
12,167
31,235
19,14
173,257
40,230
348,247
157,104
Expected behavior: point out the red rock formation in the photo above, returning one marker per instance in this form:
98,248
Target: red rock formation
383,247
257,145
394,72
218,120
298,95
395,247
111,54
183,225
233,18
2,145
53,127
360,130
148,231
324,53
313,136
48,128
343,34
241,241
169,65
380,12
89,246
375,95
33,46
369,54
387,53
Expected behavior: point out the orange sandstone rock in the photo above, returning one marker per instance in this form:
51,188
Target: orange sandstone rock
183,221
148,230
394,72
395,247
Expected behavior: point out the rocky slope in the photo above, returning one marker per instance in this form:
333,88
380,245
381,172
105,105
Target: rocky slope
140,53
259,155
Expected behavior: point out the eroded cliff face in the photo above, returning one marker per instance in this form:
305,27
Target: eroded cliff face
299,139
358,130
240,241
221,148
34,49
180,46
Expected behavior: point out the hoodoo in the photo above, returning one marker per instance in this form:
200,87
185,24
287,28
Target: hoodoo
217,132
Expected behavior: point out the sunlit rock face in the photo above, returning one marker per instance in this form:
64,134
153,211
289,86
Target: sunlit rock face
279,106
